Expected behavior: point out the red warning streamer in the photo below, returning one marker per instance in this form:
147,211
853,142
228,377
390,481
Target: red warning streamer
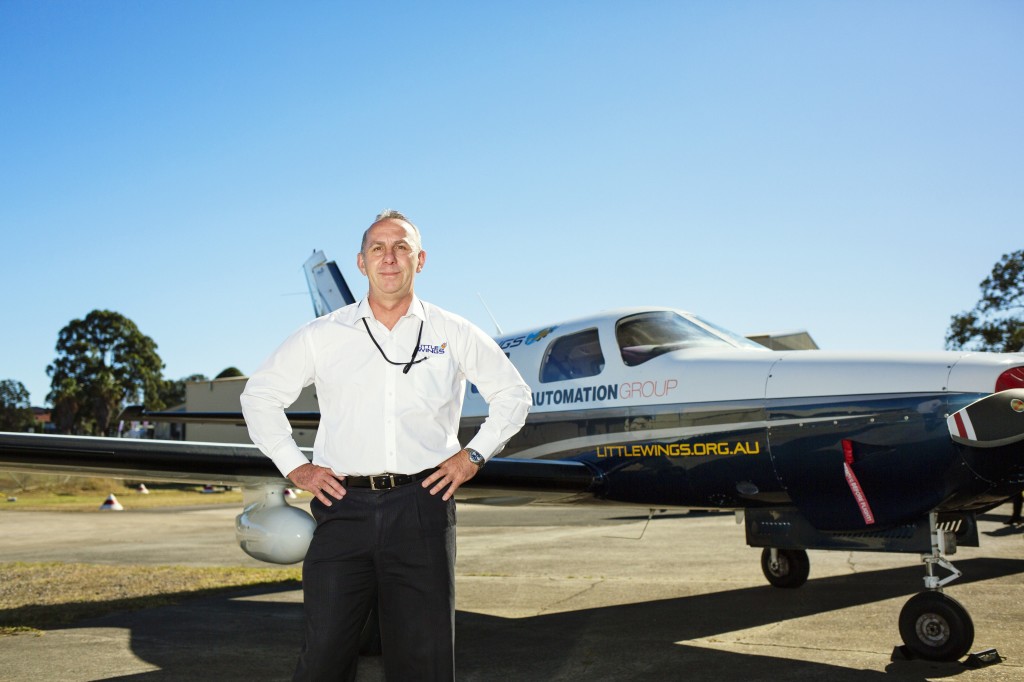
858,494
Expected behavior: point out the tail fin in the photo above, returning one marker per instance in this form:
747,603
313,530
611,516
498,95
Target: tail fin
327,287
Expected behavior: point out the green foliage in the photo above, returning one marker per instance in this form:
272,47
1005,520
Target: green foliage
15,408
103,361
229,372
172,392
996,323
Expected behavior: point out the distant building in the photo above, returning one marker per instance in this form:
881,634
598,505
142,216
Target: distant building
42,417
222,395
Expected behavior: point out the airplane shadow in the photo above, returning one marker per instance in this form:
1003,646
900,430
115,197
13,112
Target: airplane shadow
662,514
226,637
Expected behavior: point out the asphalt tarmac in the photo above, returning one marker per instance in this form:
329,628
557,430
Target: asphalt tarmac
544,593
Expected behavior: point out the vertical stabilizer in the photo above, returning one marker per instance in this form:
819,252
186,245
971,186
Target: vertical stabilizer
327,287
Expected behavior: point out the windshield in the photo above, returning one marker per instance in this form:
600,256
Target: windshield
741,341
644,336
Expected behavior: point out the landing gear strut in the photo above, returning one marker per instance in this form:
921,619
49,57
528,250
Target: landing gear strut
933,625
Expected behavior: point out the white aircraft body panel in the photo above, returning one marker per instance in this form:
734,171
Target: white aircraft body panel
730,372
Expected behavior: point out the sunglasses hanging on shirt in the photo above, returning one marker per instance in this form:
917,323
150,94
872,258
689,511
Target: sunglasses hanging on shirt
415,349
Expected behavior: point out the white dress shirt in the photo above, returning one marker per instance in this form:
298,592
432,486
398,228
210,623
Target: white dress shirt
374,418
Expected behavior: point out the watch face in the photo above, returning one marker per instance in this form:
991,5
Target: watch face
475,457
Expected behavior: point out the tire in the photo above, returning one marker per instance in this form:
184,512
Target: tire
791,570
936,627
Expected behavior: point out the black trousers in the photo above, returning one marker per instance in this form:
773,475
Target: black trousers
399,545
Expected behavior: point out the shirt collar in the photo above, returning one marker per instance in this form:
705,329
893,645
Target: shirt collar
415,309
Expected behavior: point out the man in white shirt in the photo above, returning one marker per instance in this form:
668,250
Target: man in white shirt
390,376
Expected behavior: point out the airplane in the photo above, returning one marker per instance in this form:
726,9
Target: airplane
657,407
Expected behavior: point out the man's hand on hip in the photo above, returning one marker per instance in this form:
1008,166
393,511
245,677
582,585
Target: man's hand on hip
450,474
320,481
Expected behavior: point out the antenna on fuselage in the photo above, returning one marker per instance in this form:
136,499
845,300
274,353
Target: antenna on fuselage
496,325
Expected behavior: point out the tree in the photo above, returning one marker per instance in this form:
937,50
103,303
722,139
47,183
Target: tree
66,397
173,392
996,322
229,372
103,361
15,408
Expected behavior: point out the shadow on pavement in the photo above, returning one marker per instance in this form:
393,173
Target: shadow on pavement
229,638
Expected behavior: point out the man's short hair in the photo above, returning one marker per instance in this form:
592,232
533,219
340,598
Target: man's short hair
391,214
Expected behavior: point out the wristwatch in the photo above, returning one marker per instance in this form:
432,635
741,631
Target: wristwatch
476,458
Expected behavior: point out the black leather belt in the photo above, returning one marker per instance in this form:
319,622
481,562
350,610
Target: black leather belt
386,481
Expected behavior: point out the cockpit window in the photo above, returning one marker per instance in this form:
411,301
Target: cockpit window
573,356
645,336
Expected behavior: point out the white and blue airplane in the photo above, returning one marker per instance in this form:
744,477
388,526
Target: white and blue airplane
657,407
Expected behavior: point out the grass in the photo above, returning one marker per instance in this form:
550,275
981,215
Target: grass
64,493
35,597
90,500
42,596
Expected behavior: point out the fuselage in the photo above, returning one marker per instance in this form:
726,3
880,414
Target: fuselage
675,411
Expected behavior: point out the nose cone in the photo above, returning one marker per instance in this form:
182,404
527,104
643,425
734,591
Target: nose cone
990,436
992,422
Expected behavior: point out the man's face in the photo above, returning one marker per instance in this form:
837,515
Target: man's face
389,258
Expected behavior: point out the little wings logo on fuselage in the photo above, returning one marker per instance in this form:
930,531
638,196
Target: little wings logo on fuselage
681,449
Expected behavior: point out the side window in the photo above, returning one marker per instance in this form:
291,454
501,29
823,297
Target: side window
573,357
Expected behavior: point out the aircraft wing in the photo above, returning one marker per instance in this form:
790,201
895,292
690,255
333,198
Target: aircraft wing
227,464
136,458
138,413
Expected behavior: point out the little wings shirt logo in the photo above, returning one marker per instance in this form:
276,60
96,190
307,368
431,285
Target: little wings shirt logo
433,350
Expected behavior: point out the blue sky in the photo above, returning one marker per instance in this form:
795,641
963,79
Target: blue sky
849,168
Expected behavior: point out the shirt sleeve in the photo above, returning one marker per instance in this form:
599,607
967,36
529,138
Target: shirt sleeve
273,387
500,384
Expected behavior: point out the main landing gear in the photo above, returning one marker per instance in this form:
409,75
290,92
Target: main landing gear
933,625
787,568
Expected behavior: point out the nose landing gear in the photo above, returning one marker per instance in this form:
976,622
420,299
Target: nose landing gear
933,625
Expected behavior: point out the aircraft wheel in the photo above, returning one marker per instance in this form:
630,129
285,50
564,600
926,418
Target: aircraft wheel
791,569
936,627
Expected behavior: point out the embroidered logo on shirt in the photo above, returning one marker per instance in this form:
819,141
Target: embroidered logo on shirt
433,350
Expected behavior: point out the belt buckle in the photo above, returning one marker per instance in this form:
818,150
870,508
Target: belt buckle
389,479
